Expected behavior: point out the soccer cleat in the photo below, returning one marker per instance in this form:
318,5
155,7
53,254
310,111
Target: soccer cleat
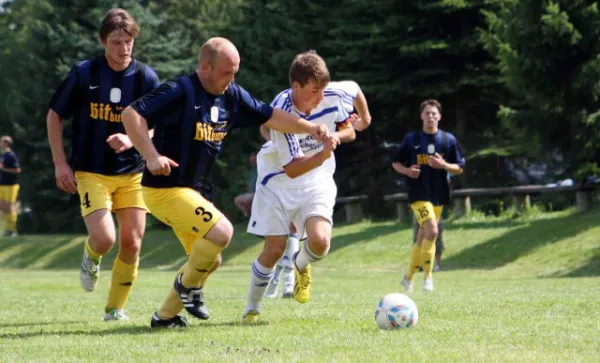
288,291
192,299
116,314
428,284
436,268
89,272
408,285
11,234
178,321
271,292
303,284
251,317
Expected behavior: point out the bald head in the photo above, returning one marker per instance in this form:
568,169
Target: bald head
216,49
218,62
5,142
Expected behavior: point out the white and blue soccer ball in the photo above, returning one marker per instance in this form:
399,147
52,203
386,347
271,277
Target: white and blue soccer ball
396,311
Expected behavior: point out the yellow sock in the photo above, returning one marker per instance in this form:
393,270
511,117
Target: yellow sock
172,305
11,221
427,255
123,277
90,251
415,262
203,257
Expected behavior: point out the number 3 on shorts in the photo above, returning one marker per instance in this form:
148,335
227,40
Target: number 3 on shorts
202,212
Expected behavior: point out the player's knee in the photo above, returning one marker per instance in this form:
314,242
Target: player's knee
217,264
103,241
430,230
221,233
319,244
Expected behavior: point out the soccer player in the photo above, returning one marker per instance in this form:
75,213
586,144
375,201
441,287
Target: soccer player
9,185
295,178
354,100
108,170
191,116
426,157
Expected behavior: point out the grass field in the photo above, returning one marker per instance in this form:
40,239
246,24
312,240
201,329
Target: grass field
525,289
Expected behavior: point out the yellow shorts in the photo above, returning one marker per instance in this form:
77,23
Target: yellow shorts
112,192
425,211
183,209
9,193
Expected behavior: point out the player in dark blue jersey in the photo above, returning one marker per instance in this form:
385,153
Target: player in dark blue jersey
191,116
9,185
426,157
107,169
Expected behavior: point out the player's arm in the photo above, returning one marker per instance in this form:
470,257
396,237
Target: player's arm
362,108
455,163
10,170
65,179
402,157
345,131
285,122
265,132
303,164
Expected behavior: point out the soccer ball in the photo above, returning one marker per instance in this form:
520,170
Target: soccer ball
396,311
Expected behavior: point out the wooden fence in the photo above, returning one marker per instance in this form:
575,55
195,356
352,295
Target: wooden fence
461,199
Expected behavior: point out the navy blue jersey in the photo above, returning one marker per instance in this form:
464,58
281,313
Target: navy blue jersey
9,160
432,184
94,96
190,125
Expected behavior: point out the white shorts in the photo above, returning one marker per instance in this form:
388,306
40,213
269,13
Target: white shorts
274,208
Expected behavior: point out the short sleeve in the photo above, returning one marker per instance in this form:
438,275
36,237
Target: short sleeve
63,100
151,80
11,161
455,155
346,90
158,101
403,154
287,146
250,111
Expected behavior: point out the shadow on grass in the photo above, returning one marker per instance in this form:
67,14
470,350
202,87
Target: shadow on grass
117,330
376,231
519,241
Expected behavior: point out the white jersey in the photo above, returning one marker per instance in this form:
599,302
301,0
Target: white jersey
334,109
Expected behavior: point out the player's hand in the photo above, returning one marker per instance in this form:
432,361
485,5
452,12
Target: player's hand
161,165
329,145
436,161
65,179
119,142
413,172
320,132
357,122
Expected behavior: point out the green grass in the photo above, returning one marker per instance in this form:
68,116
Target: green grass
514,289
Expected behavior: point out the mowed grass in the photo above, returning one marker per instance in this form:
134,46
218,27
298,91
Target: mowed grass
515,290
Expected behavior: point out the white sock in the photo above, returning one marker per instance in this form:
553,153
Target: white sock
261,276
288,266
277,273
306,256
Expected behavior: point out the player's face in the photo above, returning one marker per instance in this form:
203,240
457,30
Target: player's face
430,117
222,74
308,97
118,47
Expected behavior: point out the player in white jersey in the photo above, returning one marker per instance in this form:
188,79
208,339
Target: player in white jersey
352,99
295,179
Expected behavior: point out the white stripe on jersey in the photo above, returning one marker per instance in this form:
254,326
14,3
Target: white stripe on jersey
337,103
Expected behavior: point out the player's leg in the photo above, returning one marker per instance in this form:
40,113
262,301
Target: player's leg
262,272
439,245
289,278
314,249
10,210
430,234
423,211
95,193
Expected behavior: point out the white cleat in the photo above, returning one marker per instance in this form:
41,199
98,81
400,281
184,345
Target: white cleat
271,292
408,285
288,291
89,272
428,284
116,314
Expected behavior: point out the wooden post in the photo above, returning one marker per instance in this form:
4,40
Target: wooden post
462,206
583,200
402,211
353,211
522,201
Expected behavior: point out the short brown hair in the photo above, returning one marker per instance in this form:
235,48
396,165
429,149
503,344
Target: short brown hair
431,102
309,65
118,19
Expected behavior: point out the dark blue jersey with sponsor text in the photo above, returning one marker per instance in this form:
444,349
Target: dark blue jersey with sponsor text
432,184
190,125
94,96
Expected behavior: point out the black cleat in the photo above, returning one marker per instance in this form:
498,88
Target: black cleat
192,299
178,321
